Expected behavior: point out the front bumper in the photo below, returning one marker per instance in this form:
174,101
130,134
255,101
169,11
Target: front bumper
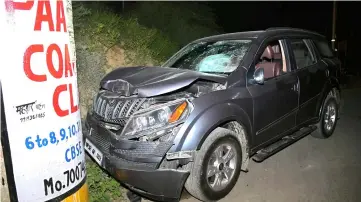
136,164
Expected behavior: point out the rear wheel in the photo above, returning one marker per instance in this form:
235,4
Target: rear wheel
217,166
328,118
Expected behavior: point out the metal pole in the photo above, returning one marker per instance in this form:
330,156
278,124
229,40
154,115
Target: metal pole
334,24
4,191
123,6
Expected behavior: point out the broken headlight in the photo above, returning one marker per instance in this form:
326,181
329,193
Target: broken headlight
158,117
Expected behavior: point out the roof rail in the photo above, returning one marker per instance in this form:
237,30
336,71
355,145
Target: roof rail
290,28
293,29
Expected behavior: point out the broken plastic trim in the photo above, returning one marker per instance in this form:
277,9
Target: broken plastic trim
181,155
118,86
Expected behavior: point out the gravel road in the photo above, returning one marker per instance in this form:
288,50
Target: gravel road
311,169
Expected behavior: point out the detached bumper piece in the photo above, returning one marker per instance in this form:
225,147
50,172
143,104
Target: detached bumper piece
159,185
133,197
136,163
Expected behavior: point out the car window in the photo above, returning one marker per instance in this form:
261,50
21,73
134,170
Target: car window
212,57
323,48
272,60
302,53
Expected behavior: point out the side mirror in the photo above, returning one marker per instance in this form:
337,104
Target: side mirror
258,75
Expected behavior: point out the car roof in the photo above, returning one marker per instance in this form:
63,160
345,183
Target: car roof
260,34
231,36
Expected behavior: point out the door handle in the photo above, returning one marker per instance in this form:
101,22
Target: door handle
295,87
327,73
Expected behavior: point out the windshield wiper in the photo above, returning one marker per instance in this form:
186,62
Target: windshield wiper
222,73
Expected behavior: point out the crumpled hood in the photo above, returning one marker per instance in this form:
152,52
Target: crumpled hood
152,81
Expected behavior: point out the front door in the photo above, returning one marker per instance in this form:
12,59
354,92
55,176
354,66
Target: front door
276,101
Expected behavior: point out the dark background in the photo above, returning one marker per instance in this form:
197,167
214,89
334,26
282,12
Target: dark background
315,16
241,16
233,16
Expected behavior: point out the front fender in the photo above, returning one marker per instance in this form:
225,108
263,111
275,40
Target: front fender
192,136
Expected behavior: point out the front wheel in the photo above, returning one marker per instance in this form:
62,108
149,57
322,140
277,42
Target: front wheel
217,166
328,120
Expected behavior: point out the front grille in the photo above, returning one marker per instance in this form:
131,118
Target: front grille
111,108
102,141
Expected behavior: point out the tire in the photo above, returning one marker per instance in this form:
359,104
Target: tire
322,131
197,184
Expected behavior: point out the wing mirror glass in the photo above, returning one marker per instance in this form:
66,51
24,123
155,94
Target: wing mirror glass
258,75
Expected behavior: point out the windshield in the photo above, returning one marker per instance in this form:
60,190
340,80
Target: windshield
211,57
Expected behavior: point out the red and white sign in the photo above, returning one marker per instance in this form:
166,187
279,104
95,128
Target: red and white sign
39,81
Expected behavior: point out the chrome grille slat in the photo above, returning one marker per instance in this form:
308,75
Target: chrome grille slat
99,102
116,109
102,108
136,105
123,112
131,107
108,112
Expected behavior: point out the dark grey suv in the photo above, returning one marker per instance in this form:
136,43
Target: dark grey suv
196,121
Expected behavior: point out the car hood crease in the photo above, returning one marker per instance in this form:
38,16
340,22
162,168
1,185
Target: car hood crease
152,81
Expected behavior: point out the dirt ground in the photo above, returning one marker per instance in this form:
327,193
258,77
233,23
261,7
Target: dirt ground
311,169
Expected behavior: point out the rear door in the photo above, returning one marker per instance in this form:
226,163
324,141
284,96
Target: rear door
276,101
312,74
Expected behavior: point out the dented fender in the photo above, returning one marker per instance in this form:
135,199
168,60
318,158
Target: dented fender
201,123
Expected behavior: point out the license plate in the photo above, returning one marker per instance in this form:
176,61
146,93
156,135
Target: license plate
93,152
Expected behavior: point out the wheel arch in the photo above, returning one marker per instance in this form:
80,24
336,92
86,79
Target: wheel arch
243,139
228,116
333,88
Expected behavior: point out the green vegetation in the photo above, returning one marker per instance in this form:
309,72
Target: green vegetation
182,22
147,34
102,187
100,27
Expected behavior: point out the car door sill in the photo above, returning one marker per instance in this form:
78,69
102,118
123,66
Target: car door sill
288,132
286,141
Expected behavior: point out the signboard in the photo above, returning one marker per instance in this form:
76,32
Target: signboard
39,85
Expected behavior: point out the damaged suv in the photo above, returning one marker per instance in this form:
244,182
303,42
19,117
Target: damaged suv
197,120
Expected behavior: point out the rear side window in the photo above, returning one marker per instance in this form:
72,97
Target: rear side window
323,48
302,53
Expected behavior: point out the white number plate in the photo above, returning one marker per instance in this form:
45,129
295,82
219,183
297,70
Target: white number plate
93,151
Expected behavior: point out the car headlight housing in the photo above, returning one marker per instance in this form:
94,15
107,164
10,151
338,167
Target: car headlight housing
158,117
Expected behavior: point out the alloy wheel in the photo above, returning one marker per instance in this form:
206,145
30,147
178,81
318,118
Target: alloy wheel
221,167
